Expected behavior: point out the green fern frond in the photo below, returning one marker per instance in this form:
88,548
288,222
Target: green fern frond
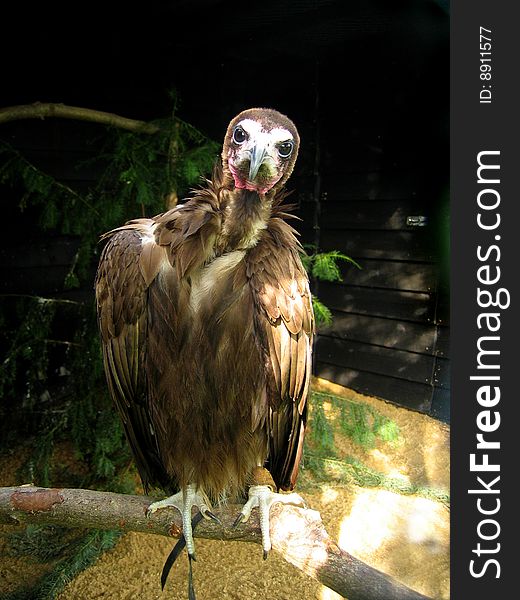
87,549
325,265
322,314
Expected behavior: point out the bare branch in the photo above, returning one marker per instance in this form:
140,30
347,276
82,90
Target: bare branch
42,110
297,534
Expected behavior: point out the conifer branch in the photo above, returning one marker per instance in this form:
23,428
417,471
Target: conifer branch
297,534
43,110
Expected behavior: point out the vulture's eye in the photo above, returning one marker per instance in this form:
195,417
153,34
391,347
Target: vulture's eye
239,135
285,149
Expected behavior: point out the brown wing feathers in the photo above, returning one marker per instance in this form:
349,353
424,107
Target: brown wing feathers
281,288
121,298
189,234
129,264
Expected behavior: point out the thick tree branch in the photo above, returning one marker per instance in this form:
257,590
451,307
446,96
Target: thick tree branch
297,534
42,110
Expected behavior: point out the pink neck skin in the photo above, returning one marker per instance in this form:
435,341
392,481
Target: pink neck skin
245,184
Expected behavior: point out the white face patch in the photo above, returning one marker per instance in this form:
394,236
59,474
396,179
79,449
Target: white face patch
258,134
262,148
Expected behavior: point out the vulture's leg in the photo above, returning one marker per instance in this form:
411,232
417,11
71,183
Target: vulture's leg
183,501
261,495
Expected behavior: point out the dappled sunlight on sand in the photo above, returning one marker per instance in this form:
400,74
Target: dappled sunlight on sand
328,494
406,536
397,534
400,534
387,464
370,522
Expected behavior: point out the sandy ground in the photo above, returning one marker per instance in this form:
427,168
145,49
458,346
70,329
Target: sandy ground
402,535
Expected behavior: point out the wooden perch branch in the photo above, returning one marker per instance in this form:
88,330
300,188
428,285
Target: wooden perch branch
297,534
42,110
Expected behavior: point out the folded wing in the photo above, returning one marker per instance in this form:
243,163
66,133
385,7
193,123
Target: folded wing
286,322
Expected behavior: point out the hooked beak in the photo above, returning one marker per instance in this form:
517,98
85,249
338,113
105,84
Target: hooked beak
257,157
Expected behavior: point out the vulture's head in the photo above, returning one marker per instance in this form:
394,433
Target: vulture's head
260,149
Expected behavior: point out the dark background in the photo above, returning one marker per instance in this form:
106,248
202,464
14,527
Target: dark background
366,82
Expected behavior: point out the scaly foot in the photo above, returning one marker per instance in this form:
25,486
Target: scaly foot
263,497
183,501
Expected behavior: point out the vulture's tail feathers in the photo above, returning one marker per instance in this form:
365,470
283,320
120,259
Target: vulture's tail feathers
174,554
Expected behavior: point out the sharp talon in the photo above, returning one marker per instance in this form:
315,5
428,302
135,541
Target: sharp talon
265,555
183,501
192,556
237,521
213,517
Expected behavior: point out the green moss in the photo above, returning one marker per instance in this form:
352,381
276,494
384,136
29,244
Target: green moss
367,428
360,422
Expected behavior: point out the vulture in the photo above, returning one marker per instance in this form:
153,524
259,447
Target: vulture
206,324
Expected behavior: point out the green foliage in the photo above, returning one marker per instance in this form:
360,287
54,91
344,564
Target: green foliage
83,554
94,424
360,422
321,430
140,172
324,266
70,552
25,338
322,314
148,168
364,426
353,472
41,542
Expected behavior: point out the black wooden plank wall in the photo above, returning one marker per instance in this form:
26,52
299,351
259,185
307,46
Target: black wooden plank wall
382,133
390,332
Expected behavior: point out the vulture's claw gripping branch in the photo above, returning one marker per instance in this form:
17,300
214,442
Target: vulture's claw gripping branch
263,497
183,501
